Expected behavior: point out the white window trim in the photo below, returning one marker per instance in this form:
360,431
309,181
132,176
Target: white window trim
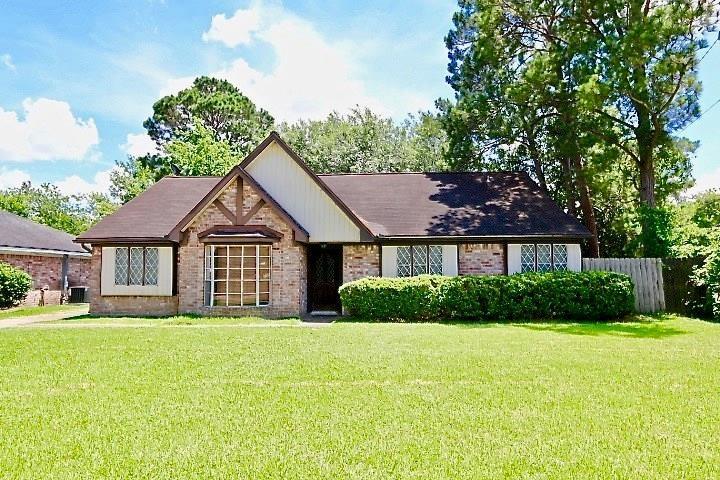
164,288
212,280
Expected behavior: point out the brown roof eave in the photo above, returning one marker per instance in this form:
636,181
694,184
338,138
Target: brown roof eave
396,239
123,240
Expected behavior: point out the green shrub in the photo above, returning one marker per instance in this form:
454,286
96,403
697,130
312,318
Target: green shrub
14,285
587,296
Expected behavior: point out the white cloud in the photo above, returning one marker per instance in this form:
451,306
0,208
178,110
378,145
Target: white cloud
75,185
12,178
6,60
235,30
48,131
138,144
311,75
705,182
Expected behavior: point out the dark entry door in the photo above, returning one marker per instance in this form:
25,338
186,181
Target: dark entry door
324,277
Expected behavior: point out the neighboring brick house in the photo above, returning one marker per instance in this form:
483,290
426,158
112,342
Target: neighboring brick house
50,256
272,238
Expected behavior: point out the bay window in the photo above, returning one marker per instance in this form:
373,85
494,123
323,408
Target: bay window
237,275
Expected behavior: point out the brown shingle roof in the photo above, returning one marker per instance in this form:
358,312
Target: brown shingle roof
458,204
19,232
155,213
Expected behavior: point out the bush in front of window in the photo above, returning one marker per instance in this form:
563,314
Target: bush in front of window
581,296
14,285
403,299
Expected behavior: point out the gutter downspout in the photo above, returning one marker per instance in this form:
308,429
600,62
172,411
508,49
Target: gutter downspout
64,277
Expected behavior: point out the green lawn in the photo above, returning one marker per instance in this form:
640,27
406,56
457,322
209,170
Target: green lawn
353,400
30,311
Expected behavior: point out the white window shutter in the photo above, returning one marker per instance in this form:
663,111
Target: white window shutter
389,261
513,258
574,257
449,260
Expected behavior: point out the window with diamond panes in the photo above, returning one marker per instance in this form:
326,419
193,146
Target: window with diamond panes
435,260
404,262
152,262
544,258
560,257
527,258
121,266
237,275
419,260
137,265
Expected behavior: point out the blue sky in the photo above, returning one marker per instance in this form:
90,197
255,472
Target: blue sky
77,79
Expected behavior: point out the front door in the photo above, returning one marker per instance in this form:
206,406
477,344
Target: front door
324,277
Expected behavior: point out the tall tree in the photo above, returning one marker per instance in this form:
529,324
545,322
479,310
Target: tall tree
646,83
516,85
201,130
589,77
217,105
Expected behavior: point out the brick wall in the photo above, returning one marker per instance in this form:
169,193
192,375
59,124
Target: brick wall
78,271
481,259
289,262
46,271
124,305
360,261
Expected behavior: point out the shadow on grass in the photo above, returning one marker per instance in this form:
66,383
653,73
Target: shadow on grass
645,329
637,326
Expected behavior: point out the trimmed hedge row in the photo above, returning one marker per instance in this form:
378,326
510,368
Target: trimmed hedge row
14,285
584,296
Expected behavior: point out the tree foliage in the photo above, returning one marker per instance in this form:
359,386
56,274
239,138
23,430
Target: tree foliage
47,205
201,130
363,141
573,91
218,106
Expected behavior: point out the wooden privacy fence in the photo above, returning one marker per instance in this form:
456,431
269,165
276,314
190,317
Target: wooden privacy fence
646,273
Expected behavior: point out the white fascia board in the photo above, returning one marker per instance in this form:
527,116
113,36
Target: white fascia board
43,252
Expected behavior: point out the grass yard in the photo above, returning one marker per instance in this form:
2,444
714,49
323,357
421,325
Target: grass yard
31,311
353,400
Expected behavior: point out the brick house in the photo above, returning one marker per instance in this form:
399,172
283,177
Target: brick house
50,256
272,238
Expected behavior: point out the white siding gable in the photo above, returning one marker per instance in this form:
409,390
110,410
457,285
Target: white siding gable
299,194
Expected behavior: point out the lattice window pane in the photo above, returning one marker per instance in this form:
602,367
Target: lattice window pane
419,253
242,278
121,266
403,262
436,260
560,257
544,258
152,261
527,258
136,265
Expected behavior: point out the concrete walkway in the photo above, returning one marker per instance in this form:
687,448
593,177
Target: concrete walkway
42,317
